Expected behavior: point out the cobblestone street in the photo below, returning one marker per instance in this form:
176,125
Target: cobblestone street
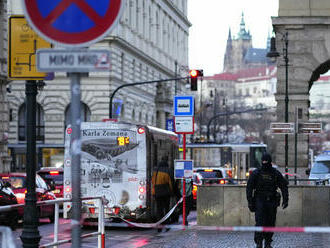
212,239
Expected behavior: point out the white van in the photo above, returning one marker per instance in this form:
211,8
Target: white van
321,168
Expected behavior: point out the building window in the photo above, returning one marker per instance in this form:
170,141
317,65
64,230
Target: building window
137,17
150,23
157,29
85,114
133,71
122,111
133,115
122,66
40,123
130,14
144,20
10,115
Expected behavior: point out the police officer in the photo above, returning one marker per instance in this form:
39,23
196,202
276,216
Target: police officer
263,198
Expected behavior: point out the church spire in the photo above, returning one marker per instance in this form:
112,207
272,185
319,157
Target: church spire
229,35
227,63
243,34
242,25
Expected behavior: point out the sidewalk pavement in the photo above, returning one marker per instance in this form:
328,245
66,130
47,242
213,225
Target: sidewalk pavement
216,239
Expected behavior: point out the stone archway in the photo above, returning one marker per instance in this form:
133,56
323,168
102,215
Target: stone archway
308,25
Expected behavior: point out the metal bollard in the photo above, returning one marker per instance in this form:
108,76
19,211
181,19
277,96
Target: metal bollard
101,236
57,211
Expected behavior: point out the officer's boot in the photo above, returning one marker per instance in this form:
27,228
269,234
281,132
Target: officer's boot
259,244
267,244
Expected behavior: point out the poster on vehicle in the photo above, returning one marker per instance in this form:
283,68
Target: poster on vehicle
112,163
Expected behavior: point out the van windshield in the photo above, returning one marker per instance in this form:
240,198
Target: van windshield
321,167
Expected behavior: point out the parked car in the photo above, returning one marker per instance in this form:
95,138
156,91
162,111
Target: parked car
44,192
321,169
53,175
7,197
214,175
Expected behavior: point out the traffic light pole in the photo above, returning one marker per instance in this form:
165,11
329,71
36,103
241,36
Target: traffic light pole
139,83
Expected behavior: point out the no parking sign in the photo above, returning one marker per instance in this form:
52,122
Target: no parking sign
73,23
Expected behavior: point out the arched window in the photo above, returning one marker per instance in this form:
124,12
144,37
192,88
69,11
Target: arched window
40,123
85,114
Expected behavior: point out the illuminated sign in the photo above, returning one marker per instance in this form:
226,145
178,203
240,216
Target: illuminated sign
121,140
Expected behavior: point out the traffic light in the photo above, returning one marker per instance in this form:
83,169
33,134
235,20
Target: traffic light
194,74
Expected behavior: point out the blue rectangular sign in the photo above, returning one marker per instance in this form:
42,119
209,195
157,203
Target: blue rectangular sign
170,125
183,105
183,169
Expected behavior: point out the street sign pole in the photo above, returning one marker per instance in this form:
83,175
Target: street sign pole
184,124
184,186
75,151
52,23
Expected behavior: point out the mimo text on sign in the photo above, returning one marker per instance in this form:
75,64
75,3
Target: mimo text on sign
71,61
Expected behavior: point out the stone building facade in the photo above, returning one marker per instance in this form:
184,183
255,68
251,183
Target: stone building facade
4,109
149,43
307,24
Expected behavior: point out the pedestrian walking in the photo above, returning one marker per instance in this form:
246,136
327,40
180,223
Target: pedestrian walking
263,197
162,188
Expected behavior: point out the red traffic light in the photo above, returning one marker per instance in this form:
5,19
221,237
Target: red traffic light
193,73
196,73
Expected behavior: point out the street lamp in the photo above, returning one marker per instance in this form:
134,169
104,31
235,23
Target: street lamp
274,54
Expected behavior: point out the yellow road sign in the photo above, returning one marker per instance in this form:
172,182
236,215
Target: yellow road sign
23,45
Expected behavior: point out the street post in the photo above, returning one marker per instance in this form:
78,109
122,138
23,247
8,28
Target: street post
22,46
75,60
183,124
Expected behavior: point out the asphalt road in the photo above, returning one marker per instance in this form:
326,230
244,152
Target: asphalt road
125,237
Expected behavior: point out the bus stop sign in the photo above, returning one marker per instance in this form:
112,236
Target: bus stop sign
183,169
73,23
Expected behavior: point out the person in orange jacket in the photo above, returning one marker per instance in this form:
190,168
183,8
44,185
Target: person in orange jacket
162,187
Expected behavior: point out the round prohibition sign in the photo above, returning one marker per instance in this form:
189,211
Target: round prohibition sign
73,23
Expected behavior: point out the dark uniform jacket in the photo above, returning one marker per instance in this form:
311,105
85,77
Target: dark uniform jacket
263,183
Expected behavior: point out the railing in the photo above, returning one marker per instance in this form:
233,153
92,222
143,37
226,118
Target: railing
232,181
57,202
